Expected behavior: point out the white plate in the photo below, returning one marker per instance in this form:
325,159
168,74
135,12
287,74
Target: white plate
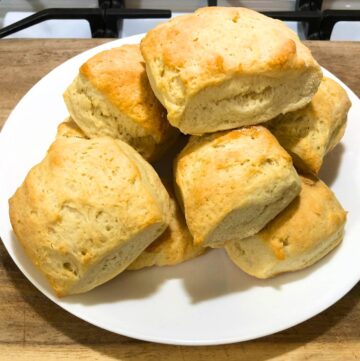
205,301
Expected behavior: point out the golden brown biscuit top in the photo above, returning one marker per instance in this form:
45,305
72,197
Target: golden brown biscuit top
312,131
329,99
329,105
221,171
316,204
217,41
119,74
238,147
85,179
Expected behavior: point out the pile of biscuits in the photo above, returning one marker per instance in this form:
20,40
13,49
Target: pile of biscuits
257,117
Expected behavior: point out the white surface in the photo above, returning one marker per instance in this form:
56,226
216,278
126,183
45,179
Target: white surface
49,28
341,4
81,28
346,31
184,5
132,27
201,302
37,5
191,5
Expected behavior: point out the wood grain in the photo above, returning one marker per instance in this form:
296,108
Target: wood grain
33,328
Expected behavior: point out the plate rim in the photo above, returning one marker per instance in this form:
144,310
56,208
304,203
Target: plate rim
344,289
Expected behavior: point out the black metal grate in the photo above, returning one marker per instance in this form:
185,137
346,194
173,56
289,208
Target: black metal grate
105,20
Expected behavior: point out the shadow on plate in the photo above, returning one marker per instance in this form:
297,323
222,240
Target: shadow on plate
331,165
207,277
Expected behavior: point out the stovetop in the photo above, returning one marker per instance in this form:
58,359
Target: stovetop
311,19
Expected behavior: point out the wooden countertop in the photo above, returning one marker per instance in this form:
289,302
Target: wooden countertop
33,328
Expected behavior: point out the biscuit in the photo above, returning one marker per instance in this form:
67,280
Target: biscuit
221,68
87,211
69,128
174,246
232,183
112,96
309,228
308,134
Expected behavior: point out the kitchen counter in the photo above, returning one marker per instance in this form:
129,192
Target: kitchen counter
34,328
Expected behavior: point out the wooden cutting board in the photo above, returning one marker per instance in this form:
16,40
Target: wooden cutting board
33,328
